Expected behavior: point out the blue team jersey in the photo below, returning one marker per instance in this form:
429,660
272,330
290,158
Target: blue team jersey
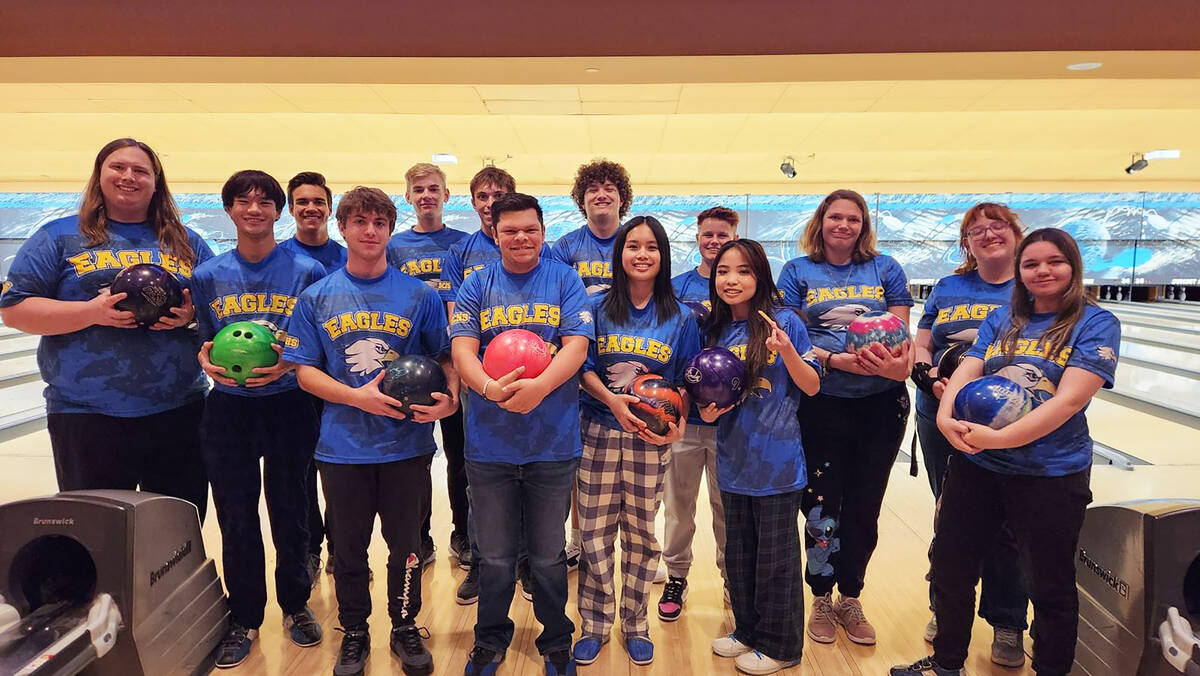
953,312
229,289
330,255
423,255
589,255
830,296
471,253
350,328
758,442
549,301
1093,347
124,373
622,353
690,286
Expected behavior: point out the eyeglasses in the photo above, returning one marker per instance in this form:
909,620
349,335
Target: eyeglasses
979,232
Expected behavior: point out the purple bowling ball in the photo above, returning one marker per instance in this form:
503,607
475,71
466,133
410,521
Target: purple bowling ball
699,310
715,376
151,292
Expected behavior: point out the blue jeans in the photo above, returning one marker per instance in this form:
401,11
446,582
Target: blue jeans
503,497
1003,601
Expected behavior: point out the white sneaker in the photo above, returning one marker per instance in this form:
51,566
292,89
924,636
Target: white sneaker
755,662
728,646
660,574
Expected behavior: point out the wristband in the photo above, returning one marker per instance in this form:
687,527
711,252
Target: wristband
921,378
483,393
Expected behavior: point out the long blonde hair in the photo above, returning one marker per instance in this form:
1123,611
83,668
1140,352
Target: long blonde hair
994,211
162,214
1073,302
812,243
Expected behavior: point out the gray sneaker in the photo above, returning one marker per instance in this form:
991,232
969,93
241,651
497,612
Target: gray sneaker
1008,647
468,591
303,628
931,629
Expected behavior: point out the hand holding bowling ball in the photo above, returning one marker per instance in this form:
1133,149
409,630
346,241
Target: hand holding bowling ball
880,327
150,292
513,348
951,358
715,376
994,401
658,403
413,379
104,311
241,347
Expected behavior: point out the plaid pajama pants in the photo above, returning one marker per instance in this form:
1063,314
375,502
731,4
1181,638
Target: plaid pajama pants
762,557
620,483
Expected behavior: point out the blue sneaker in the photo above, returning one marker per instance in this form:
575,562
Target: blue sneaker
587,649
483,662
560,663
640,649
235,647
923,667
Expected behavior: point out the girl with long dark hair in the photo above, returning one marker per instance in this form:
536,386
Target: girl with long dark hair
760,459
123,403
1032,474
641,328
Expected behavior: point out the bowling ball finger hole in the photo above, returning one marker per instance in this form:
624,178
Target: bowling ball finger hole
236,368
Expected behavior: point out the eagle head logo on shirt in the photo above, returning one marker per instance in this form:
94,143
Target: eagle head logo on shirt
368,355
1106,352
840,317
585,317
622,373
275,330
1030,377
597,288
964,336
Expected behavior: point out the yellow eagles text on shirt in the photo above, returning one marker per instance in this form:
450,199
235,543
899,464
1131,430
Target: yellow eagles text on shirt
822,294
349,322
956,313
1031,347
645,347
249,303
93,261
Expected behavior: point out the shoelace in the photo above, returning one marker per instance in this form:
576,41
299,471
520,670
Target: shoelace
854,611
235,636
353,645
482,656
1009,637
673,593
823,607
411,640
473,574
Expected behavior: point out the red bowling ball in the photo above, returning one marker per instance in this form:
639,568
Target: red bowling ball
513,348
880,327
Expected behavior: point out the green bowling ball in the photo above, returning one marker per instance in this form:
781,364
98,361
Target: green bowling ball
242,347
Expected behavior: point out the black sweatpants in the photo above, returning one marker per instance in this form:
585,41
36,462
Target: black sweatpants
317,532
850,446
158,453
399,492
1045,514
453,440
281,430
762,558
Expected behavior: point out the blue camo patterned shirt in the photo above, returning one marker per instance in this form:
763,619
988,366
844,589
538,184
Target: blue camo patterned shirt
423,255
123,373
758,442
229,288
350,327
1093,346
589,255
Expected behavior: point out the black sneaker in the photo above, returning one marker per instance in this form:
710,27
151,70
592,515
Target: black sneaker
428,554
460,548
483,662
314,568
408,644
468,591
923,667
670,606
560,663
303,628
352,658
235,647
573,553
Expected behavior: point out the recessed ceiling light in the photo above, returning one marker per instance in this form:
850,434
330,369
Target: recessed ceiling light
591,69
1172,154
445,158
1085,65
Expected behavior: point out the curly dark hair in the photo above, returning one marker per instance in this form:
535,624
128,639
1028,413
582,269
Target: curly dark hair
599,171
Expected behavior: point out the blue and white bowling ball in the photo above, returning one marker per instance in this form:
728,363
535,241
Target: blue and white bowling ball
994,401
